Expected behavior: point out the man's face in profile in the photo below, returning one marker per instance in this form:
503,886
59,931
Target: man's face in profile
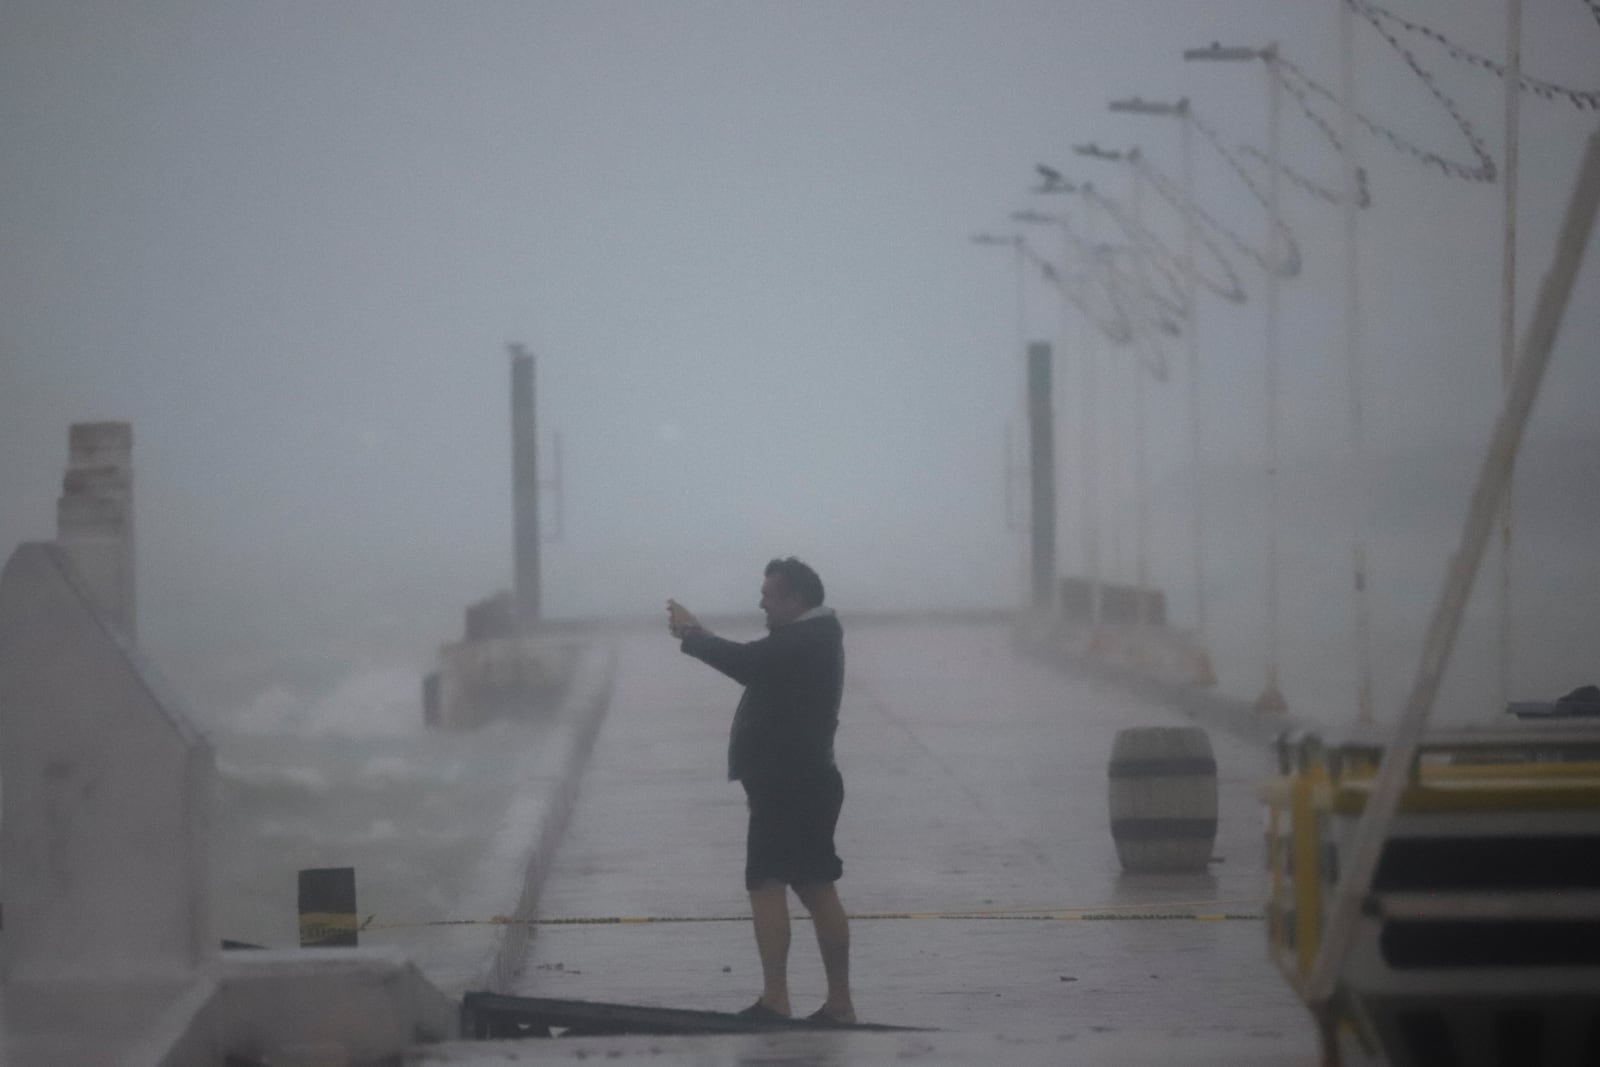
781,606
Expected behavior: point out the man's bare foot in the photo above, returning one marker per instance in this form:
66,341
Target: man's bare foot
829,1014
763,1010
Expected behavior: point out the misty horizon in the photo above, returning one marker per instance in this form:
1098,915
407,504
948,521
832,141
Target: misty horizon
290,244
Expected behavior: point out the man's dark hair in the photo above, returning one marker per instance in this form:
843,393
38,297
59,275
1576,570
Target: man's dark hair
798,578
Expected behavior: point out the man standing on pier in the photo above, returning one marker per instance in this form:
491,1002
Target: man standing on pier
781,750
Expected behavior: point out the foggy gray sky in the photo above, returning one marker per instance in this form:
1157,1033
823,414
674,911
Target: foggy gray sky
289,242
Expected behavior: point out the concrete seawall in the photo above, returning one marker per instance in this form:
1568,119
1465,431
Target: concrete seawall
504,890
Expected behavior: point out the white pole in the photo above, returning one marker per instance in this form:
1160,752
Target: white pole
1192,339
1141,486
1508,326
1141,478
1112,403
1091,447
1108,478
1091,548
1271,699
1008,478
1058,399
1353,361
1019,468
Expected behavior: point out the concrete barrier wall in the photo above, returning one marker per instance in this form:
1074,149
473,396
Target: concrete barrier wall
508,879
108,955
107,791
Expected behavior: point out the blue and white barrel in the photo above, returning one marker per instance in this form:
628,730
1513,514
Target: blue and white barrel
1163,793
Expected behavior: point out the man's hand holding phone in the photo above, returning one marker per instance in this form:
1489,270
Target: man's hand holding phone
680,620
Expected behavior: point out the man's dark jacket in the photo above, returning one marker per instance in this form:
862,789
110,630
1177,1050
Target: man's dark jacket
793,679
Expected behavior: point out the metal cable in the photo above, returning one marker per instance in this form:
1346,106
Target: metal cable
1378,15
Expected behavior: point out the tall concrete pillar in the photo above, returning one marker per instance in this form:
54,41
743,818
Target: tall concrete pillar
1042,475
94,517
524,488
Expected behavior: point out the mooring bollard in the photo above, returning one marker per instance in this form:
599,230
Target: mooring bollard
1163,793
328,907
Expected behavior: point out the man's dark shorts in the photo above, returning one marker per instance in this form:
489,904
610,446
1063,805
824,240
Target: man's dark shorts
790,838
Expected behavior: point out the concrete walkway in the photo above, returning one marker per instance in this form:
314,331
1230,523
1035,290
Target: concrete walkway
975,781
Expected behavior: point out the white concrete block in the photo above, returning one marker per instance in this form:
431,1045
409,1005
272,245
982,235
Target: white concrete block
369,1003
107,793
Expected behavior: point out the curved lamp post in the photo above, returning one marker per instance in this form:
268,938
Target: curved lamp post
1014,241
1271,700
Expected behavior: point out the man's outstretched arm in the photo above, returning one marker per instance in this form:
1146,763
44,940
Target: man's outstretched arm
741,661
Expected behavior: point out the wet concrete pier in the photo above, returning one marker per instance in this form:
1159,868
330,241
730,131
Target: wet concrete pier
975,787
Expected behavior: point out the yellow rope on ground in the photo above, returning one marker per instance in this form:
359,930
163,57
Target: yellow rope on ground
1187,910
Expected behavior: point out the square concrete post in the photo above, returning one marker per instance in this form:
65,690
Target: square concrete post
94,517
1042,475
524,488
